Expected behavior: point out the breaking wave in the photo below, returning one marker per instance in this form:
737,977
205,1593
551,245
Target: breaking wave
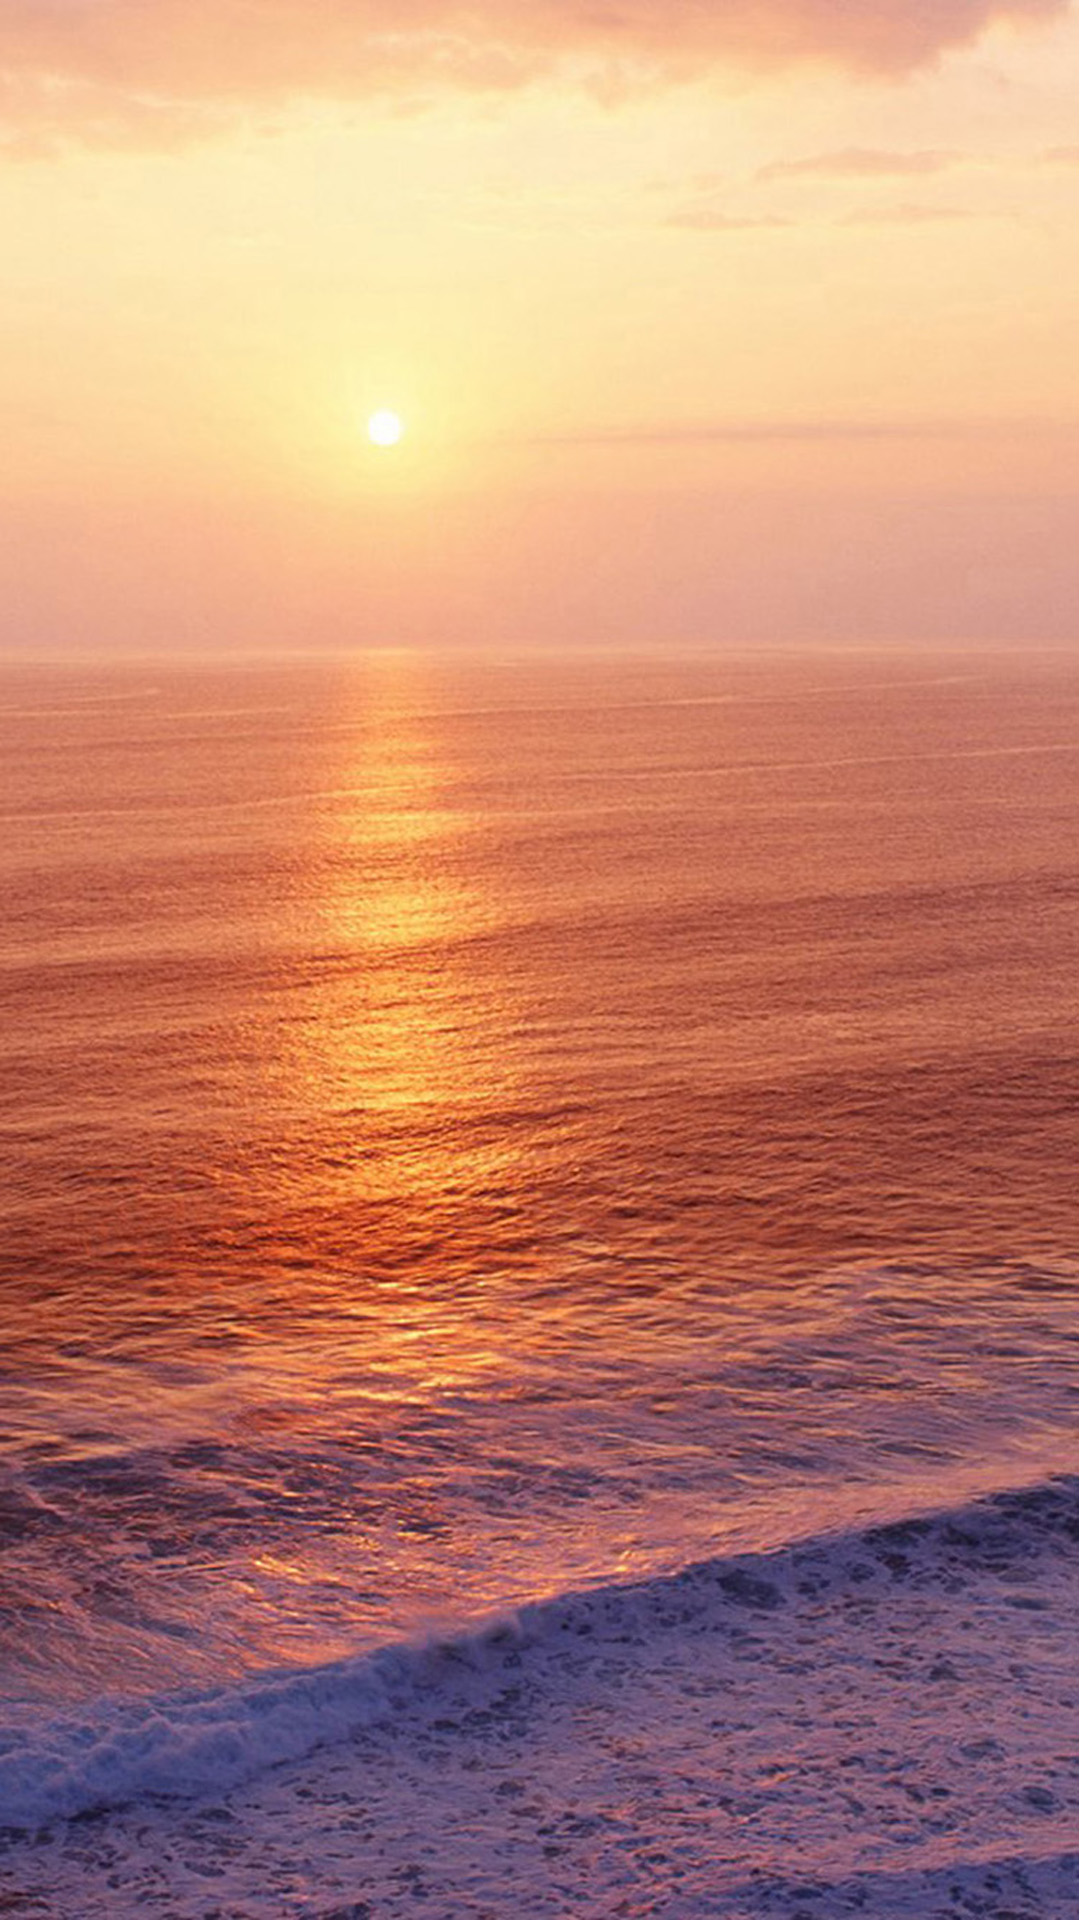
203,1743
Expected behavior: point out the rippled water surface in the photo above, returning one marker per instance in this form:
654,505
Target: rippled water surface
478,1126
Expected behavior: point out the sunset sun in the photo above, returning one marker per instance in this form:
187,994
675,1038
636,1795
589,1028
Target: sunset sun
384,428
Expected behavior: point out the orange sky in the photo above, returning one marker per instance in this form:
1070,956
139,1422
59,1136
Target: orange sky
709,320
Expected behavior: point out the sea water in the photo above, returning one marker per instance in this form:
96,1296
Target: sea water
477,1130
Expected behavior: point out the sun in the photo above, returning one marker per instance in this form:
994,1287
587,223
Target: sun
384,429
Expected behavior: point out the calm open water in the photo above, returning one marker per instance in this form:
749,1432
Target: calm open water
477,1127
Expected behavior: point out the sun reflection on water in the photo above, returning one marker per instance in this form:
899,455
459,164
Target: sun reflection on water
393,1063
390,1079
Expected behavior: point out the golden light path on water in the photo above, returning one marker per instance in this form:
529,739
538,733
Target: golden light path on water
409,1042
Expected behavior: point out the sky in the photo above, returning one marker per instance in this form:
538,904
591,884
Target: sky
709,322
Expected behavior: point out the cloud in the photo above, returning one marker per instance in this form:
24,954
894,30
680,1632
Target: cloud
106,70
904,216
863,163
735,432
38,114
711,220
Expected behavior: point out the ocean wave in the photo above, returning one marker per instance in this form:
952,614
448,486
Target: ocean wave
198,1744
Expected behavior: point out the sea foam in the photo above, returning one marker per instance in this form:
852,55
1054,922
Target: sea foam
201,1744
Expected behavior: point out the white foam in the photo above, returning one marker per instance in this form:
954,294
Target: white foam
205,1743
195,1744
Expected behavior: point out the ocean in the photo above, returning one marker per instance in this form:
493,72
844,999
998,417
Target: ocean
494,1142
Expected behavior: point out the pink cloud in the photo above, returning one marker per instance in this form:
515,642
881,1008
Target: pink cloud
105,69
863,163
792,431
908,215
711,220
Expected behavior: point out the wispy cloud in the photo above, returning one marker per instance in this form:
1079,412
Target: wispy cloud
862,163
147,70
909,214
740,432
712,220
